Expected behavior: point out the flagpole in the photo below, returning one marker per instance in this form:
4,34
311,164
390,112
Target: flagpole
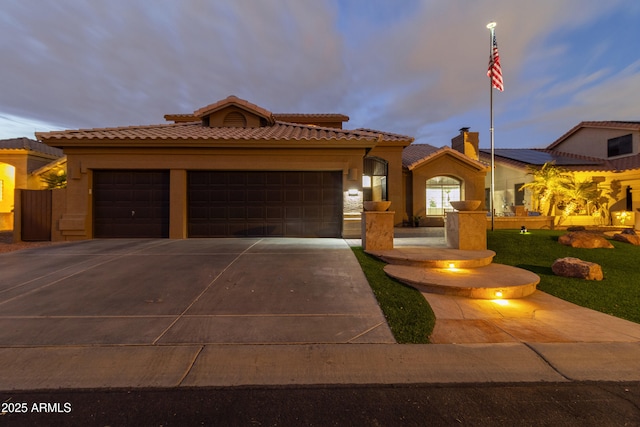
491,27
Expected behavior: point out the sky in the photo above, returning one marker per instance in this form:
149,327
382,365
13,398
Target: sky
413,67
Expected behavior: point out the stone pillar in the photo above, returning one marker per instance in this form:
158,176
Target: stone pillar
377,230
467,230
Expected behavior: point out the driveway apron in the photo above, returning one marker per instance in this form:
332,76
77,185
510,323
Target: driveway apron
197,291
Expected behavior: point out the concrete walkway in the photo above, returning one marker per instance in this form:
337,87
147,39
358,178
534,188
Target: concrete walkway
163,313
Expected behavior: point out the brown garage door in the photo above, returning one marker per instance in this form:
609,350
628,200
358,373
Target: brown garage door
131,203
250,203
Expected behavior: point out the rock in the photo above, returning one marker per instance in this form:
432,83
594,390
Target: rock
575,267
633,239
629,231
576,228
581,239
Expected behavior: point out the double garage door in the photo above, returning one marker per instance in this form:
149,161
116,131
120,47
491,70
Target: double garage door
220,203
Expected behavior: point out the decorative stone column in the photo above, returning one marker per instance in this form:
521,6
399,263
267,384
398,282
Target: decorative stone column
467,230
377,230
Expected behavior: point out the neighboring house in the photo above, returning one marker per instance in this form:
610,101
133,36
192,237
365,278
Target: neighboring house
19,158
231,168
436,176
607,153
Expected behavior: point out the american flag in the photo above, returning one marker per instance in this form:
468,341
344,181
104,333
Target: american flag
495,71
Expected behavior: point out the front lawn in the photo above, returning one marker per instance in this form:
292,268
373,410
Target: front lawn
408,314
618,294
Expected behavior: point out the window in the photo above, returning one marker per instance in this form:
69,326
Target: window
619,146
374,179
440,191
519,194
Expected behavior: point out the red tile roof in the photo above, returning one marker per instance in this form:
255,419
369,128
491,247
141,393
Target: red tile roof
416,154
195,131
189,128
234,100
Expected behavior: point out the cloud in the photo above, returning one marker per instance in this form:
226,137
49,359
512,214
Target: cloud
122,61
416,67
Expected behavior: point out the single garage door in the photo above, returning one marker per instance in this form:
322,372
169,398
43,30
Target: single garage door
250,203
131,203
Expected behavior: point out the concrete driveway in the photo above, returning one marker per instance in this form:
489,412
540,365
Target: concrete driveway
199,291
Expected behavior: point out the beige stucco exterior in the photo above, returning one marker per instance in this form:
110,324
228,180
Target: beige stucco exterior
16,165
209,140
592,141
471,176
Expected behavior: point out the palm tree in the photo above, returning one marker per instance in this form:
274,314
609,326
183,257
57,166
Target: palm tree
577,195
549,185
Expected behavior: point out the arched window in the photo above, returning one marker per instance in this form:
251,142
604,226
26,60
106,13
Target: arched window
440,191
374,179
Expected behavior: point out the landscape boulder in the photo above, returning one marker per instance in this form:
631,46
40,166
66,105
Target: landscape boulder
581,239
627,236
575,267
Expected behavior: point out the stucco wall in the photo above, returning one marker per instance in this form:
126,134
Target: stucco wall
593,142
395,193
472,178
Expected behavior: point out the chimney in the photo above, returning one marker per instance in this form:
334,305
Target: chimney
467,143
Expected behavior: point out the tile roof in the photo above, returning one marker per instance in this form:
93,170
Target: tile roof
416,154
522,157
611,124
234,100
29,145
282,117
195,131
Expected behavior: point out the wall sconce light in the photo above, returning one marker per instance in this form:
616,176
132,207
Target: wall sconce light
353,192
352,175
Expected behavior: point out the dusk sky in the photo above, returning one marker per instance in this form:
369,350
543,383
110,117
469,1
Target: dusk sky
406,66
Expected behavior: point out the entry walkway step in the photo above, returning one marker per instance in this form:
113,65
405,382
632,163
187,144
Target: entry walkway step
457,272
495,281
435,257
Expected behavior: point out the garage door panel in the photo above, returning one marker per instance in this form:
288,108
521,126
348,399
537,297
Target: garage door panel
265,203
274,212
256,212
256,195
237,213
293,196
131,203
292,212
235,195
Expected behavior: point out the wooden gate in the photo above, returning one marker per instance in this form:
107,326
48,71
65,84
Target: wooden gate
36,215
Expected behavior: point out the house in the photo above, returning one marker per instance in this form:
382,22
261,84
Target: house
231,168
19,158
604,152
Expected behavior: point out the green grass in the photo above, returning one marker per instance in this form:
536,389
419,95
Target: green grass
407,312
618,294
